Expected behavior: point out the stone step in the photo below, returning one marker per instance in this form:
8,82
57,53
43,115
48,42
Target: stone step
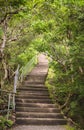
39,115
39,110
36,81
42,65
39,75
35,77
40,121
26,96
35,93
45,66
37,72
40,69
32,89
33,100
33,84
35,105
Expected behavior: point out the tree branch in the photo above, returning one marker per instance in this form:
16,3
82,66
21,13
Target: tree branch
57,58
4,38
11,13
66,102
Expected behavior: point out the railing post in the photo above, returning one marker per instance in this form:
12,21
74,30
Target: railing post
13,101
9,102
21,78
16,79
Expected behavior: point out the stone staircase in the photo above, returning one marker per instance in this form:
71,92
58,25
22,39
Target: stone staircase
33,103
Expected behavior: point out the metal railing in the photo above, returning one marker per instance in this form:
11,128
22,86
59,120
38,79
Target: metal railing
24,71
28,67
10,96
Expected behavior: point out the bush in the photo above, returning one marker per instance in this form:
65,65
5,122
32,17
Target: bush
4,123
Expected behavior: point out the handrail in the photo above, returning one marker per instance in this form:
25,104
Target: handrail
6,91
11,95
16,79
28,67
24,71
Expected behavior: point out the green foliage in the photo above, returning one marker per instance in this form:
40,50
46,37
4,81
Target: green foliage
66,48
15,3
1,101
24,57
4,123
9,123
70,128
1,32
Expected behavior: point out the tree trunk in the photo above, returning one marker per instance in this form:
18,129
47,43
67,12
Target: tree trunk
2,48
5,69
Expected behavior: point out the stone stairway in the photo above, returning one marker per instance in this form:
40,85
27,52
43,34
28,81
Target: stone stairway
33,103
